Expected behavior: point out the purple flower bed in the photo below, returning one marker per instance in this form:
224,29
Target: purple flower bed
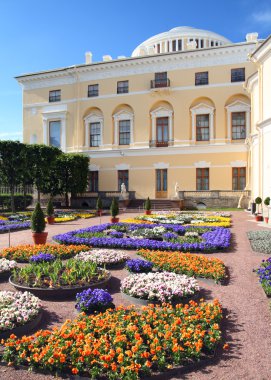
139,266
217,239
94,300
42,257
13,226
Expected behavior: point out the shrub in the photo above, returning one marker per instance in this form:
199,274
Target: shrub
267,201
50,208
147,204
99,204
37,220
114,208
19,200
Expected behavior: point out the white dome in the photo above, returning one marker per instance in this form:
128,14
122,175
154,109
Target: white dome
179,39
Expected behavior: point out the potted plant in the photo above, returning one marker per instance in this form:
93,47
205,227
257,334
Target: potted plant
50,212
258,202
99,206
147,206
38,226
267,203
114,210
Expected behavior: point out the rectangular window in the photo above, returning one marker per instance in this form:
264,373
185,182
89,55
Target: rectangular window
124,132
123,87
94,181
202,125
203,179
238,178
54,96
162,131
202,44
160,80
174,45
180,45
202,78
123,177
95,134
158,48
238,125
238,75
93,90
54,133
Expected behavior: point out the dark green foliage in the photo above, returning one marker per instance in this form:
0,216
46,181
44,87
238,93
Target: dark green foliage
258,200
50,208
99,204
114,208
147,204
20,201
267,201
37,220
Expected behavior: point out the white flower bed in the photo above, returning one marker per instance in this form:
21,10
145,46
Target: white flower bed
163,287
103,256
191,234
7,265
17,309
149,232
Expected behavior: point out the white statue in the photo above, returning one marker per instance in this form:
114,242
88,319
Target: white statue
123,189
240,201
177,189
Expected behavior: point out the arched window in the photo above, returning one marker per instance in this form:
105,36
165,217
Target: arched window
93,130
123,128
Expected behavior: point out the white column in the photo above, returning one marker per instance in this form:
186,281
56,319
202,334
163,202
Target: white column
193,127
101,130
153,120
211,116
170,127
45,130
228,125
177,44
247,123
63,135
170,45
131,131
87,137
116,121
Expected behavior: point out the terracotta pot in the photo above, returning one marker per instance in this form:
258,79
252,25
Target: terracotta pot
114,220
39,238
147,212
258,218
266,219
99,212
50,219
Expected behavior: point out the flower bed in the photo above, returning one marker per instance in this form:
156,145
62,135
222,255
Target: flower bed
123,344
17,309
13,226
103,257
139,266
189,264
22,253
159,287
94,300
63,219
260,241
264,273
5,267
210,238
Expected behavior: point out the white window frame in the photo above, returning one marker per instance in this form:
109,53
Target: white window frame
93,118
123,115
162,112
237,106
47,117
202,109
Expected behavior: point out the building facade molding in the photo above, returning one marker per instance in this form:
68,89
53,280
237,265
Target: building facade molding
162,112
122,167
123,115
47,117
238,164
93,117
161,165
237,106
202,109
202,164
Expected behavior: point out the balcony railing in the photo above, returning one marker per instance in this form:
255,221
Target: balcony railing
160,144
160,83
214,194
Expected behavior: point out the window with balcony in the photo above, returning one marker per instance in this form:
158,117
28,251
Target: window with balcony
54,96
238,125
201,78
124,132
202,178
123,87
93,90
202,128
238,178
123,177
94,181
55,133
161,80
95,134
238,75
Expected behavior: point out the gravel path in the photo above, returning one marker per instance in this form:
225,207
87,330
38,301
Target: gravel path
247,320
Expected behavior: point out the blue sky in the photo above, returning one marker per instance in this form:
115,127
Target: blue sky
41,35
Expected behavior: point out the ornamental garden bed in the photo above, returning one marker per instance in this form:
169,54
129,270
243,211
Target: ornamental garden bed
189,264
57,279
19,313
5,268
8,226
264,274
150,236
108,258
124,343
23,253
260,241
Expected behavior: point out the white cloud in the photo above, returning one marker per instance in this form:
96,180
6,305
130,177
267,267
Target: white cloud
263,17
11,136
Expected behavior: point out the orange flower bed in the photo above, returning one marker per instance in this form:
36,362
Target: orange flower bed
123,343
22,253
186,263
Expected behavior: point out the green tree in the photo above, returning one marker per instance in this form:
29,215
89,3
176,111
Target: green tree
37,220
11,166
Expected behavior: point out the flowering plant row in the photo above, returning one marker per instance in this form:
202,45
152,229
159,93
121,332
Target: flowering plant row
63,219
159,287
13,226
215,238
7,265
264,273
107,257
17,309
22,253
122,344
42,257
189,264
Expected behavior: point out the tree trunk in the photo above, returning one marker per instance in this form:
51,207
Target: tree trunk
12,203
24,195
67,199
38,196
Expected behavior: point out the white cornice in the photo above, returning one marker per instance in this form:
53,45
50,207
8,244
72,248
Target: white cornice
262,52
251,82
225,55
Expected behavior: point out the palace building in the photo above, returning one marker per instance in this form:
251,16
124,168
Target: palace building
177,112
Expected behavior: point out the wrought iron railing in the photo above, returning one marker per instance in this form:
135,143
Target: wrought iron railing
159,144
160,83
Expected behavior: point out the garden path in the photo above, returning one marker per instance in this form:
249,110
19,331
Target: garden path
247,315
